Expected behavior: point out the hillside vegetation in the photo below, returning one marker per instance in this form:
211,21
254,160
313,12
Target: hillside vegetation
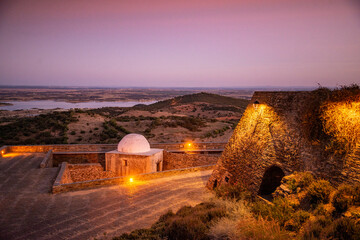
209,98
308,209
197,117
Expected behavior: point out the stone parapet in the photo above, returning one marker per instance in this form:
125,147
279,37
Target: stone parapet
178,160
196,146
60,185
48,160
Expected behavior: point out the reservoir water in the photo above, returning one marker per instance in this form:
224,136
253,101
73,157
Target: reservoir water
50,104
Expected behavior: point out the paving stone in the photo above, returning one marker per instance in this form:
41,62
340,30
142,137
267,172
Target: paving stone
30,212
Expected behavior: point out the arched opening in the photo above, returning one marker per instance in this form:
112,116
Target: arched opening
271,180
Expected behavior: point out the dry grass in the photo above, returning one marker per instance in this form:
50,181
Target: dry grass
260,229
225,228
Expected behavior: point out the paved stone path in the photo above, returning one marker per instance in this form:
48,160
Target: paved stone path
29,211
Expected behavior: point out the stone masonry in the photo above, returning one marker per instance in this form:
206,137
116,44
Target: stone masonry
271,139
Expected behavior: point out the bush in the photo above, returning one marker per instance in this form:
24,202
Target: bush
342,198
229,191
297,220
139,234
187,223
223,229
281,210
356,194
186,228
260,229
319,192
306,178
343,228
313,229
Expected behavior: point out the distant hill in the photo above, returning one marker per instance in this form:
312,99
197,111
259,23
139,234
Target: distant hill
202,97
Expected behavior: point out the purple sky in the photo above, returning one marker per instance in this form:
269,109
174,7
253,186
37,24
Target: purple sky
179,43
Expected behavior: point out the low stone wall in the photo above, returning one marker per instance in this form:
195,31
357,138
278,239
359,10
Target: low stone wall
110,147
183,160
48,160
60,185
194,146
63,176
79,157
63,148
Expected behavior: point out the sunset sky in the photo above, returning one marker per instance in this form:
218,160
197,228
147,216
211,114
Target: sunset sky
179,43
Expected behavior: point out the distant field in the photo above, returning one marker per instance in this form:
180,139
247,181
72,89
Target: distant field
108,94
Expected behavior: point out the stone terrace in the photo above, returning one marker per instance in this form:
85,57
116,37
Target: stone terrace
29,211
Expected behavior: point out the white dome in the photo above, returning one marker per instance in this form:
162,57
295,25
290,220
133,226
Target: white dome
133,143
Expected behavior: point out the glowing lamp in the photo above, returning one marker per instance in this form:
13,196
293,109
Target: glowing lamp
256,104
131,180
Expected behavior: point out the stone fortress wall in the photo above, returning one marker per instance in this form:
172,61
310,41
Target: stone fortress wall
272,140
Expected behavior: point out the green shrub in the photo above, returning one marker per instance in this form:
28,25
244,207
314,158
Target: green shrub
306,178
292,185
297,220
319,192
281,210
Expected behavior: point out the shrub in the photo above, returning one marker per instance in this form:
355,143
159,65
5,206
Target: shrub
229,191
356,194
188,223
186,228
297,220
223,229
313,229
343,228
306,178
319,192
281,210
73,133
140,234
342,198
260,229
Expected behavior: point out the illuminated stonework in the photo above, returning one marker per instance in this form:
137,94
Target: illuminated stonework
292,131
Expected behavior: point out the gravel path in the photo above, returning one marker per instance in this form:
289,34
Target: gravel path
29,211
